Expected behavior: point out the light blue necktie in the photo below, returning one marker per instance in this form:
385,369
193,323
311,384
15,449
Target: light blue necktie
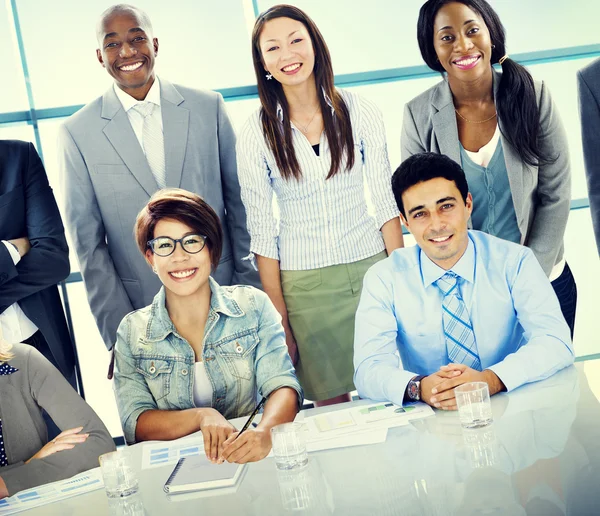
458,330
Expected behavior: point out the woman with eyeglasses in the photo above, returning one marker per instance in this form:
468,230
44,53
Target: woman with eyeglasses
502,127
312,146
200,353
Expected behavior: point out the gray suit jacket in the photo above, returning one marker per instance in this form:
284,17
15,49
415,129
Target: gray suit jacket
541,195
106,181
588,81
35,386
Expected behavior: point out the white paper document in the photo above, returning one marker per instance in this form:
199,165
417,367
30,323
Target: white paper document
49,493
364,418
164,453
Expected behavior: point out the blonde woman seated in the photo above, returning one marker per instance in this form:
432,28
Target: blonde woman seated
28,384
201,353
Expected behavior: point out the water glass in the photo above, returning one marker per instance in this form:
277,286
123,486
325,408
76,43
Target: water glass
119,478
289,445
473,401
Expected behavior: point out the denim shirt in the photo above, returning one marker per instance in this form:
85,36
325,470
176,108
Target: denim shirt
244,353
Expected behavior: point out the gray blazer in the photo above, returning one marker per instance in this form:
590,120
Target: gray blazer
588,81
35,386
106,181
541,195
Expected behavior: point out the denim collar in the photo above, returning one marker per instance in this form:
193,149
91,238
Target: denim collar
160,324
465,267
325,96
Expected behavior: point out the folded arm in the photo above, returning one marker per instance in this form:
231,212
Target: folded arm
47,261
52,393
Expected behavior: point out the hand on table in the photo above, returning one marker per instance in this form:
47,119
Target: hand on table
442,394
253,445
215,431
64,441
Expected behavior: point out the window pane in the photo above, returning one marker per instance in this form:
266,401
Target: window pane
561,79
48,135
582,255
383,34
20,131
206,48
93,360
14,95
365,37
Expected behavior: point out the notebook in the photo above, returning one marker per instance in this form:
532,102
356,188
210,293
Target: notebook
196,473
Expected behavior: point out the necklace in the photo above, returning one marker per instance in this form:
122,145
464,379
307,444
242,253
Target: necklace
475,121
304,128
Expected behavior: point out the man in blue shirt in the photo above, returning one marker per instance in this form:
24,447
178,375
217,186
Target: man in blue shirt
460,306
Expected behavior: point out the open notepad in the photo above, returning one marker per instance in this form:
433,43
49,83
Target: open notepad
197,473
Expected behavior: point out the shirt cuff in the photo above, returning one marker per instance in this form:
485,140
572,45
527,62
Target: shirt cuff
14,254
265,247
508,377
385,215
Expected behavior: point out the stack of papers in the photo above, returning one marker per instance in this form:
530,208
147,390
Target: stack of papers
365,424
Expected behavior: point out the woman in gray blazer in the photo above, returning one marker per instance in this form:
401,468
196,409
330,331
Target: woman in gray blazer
504,130
28,384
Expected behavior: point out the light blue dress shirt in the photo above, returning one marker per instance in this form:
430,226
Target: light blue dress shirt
520,331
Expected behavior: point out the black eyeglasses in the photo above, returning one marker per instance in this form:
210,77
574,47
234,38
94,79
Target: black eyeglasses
165,246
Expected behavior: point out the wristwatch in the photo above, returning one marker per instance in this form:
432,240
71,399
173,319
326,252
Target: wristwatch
413,389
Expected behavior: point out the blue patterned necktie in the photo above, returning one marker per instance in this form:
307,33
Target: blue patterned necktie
458,330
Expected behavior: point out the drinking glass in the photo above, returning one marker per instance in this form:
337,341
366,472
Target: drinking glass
289,445
473,401
119,478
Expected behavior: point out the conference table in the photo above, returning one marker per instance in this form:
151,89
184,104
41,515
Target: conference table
540,456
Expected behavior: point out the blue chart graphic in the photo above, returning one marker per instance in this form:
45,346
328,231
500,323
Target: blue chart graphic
170,454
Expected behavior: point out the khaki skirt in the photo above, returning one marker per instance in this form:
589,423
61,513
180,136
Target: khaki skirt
321,304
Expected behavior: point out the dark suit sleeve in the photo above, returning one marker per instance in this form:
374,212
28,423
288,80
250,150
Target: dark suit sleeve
589,110
8,269
47,262
105,291
52,393
245,274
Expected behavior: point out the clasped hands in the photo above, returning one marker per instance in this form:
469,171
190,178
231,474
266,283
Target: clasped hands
221,442
437,389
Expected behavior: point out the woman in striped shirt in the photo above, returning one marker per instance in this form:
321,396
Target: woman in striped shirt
313,146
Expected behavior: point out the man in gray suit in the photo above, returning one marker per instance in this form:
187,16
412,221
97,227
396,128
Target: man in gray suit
143,134
588,81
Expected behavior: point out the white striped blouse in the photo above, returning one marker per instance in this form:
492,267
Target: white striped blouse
321,222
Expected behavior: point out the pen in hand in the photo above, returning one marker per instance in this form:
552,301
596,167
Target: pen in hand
252,416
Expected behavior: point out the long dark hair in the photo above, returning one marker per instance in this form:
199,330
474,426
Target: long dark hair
516,102
278,136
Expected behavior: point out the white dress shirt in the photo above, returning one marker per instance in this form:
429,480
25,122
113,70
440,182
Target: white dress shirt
15,326
322,222
135,117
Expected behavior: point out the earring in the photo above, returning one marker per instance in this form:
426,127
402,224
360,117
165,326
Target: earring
268,76
493,46
154,270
